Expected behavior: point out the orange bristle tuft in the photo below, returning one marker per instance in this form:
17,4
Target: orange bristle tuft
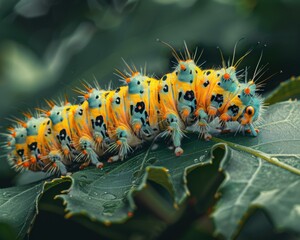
247,91
226,76
182,67
50,103
28,115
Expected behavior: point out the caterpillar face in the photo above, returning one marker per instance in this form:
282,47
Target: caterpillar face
252,111
115,122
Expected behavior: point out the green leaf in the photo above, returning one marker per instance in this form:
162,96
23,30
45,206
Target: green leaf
255,174
107,195
286,90
18,205
265,165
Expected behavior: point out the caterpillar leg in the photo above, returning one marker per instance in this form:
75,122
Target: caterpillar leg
175,132
121,145
249,128
202,124
88,152
101,141
142,130
56,163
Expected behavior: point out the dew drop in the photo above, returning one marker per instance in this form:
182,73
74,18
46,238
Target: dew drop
108,196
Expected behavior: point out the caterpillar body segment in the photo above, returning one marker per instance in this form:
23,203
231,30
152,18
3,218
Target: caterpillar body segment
114,123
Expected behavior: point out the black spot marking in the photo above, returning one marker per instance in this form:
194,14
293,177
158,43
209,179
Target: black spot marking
219,83
189,95
97,97
179,95
99,121
166,88
206,83
20,152
62,135
234,109
208,73
48,122
80,112
164,78
49,131
68,109
191,71
117,90
118,100
105,95
158,98
100,105
33,146
218,99
139,107
131,110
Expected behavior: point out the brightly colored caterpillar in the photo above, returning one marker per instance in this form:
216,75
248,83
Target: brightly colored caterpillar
118,121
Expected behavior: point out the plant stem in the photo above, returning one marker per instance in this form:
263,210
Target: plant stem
260,154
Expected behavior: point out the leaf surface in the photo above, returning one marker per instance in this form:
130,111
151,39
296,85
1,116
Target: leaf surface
252,181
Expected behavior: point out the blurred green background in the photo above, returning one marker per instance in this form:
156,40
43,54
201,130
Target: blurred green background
48,46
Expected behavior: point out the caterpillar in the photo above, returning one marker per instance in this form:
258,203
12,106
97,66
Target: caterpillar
116,122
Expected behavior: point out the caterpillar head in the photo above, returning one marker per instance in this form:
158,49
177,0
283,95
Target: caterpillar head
55,114
228,80
186,71
94,98
136,83
252,112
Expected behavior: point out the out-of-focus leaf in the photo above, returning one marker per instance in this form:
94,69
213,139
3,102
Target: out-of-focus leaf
18,205
286,90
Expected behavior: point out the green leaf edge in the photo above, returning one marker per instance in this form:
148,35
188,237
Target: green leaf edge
284,91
